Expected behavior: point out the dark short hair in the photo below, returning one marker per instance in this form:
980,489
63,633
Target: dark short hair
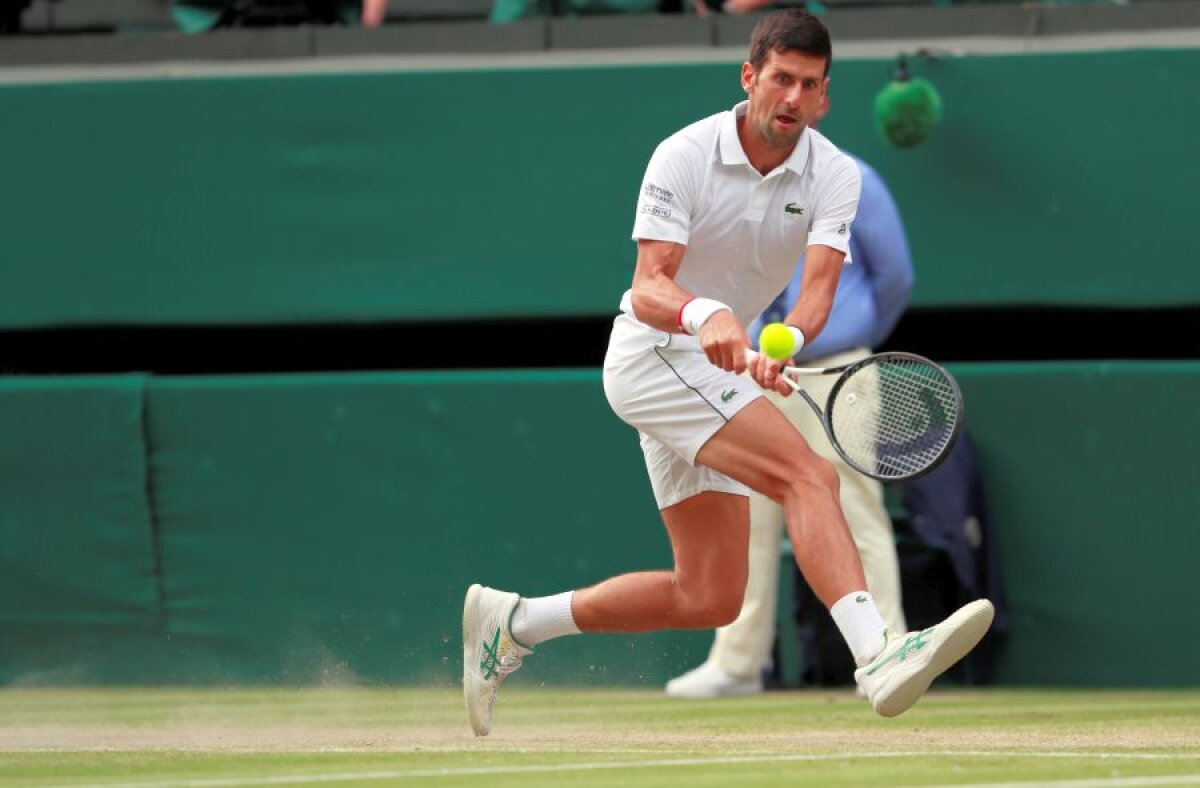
789,29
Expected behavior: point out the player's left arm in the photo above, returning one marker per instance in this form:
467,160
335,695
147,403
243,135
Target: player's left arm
828,243
822,269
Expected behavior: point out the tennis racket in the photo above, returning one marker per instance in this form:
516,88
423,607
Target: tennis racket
891,416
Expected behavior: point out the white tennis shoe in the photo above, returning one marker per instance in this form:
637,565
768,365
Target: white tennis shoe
709,680
489,652
908,664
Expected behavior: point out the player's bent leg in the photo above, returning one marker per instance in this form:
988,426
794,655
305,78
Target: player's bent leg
709,534
742,650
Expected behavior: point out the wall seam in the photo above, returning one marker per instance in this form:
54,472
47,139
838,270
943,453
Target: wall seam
152,509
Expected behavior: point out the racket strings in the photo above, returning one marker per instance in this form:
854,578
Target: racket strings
895,416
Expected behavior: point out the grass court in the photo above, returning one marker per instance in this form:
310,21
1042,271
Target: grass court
542,736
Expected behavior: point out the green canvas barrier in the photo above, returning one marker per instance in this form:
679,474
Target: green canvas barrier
78,565
323,528
1090,471
510,193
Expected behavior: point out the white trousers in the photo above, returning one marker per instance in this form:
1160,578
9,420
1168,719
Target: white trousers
744,647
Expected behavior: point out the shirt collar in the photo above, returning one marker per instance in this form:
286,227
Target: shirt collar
733,153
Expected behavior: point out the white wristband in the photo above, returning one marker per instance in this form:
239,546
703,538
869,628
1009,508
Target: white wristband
696,311
797,338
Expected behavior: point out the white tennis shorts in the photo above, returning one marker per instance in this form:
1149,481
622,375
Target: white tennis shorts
664,386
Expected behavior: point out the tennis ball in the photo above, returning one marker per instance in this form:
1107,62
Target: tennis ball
776,341
906,112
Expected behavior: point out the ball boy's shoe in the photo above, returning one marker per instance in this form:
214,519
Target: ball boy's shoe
709,680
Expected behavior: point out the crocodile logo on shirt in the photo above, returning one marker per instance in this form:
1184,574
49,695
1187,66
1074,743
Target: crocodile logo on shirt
793,208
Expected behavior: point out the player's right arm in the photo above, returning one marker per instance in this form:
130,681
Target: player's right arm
658,301
668,200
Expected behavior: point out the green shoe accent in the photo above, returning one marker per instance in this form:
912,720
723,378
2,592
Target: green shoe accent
912,643
491,660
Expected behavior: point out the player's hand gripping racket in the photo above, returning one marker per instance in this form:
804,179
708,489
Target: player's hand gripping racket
891,416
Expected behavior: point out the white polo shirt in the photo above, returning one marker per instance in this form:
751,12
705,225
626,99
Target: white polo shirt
744,231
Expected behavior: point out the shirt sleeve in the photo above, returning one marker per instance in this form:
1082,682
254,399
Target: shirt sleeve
836,205
668,194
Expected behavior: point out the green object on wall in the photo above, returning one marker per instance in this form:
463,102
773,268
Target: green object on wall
907,111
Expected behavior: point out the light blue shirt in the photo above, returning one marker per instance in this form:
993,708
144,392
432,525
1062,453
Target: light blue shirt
872,291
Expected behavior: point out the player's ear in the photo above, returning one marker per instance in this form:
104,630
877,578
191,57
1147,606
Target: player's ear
747,77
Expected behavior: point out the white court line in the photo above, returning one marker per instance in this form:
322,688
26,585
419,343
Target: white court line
483,771
1103,782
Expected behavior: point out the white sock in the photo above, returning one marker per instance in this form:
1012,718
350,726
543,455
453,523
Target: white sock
861,626
542,618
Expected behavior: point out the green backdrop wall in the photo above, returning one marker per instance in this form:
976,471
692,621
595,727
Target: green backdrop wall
1055,179
301,528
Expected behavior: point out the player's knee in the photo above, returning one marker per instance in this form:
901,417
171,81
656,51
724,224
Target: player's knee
725,610
804,474
712,605
812,475
712,613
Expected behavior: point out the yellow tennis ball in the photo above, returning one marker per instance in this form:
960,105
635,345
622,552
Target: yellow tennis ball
777,342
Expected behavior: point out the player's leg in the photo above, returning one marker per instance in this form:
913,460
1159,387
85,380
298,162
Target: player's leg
760,448
708,533
861,496
741,650
676,400
871,527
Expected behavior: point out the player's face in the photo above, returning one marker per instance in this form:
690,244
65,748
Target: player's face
785,95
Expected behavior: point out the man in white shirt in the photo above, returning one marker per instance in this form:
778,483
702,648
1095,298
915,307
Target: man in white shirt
871,295
726,207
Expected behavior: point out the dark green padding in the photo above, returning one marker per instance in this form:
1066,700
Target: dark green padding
323,528
326,526
475,194
78,573
1091,474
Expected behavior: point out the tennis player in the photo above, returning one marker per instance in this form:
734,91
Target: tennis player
726,207
871,296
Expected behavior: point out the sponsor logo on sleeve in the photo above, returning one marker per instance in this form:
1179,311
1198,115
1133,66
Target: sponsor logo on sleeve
655,210
658,193
842,229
